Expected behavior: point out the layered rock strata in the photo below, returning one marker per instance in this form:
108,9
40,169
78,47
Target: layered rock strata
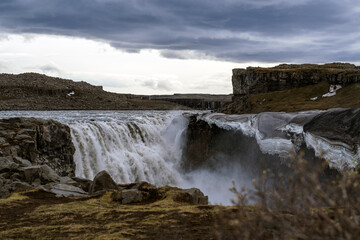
255,80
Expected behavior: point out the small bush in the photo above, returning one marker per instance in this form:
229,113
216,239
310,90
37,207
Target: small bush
301,205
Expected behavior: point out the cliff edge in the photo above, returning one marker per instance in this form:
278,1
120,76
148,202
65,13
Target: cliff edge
306,83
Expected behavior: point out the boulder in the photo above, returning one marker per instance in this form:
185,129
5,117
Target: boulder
102,181
43,172
18,186
129,196
5,187
7,164
192,195
83,183
65,190
132,196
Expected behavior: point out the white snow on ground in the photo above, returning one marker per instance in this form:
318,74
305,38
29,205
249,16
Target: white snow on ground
332,90
71,93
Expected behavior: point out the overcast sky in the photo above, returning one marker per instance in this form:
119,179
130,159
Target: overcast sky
172,46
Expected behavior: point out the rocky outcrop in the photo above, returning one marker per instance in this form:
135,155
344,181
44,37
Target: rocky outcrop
30,141
255,80
34,153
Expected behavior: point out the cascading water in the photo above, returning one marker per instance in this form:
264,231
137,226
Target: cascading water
148,146
131,150
131,145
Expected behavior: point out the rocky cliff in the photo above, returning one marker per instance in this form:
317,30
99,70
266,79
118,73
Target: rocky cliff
268,140
255,80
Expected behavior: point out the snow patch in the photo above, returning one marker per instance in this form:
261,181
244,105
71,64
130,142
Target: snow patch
332,90
71,93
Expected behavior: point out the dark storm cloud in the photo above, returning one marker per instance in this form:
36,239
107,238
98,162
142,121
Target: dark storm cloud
237,30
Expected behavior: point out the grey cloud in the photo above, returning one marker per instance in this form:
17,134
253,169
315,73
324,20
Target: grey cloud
235,30
50,69
158,85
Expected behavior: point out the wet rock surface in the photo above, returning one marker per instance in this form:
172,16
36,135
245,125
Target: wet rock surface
38,153
339,126
256,142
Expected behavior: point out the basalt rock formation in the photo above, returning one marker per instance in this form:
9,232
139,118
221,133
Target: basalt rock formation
255,80
38,142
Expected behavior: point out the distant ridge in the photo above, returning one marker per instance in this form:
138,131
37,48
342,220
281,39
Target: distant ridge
33,91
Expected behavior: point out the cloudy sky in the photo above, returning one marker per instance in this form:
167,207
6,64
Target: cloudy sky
172,46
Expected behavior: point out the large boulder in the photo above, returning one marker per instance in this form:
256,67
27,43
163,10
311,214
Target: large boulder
41,174
7,164
103,181
65,190
132,196
192,195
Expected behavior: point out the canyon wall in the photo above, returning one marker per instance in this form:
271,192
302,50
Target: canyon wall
256,80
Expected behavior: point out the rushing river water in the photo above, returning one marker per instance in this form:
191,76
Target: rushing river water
148,145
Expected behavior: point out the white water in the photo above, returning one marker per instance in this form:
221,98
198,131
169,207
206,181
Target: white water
147,145
275,133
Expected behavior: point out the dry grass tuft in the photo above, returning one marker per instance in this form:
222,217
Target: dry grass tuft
303,205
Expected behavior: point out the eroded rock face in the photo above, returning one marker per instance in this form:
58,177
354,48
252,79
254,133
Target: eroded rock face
255,80
38,142
33,153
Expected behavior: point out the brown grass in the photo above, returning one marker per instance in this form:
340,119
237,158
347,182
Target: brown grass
300,206
299,99
40,215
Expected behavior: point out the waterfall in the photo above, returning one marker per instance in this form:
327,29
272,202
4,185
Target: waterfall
142,149
148,146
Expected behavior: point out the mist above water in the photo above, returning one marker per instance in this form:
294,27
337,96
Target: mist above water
148,146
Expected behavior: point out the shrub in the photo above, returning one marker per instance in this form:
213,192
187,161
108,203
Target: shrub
302,205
